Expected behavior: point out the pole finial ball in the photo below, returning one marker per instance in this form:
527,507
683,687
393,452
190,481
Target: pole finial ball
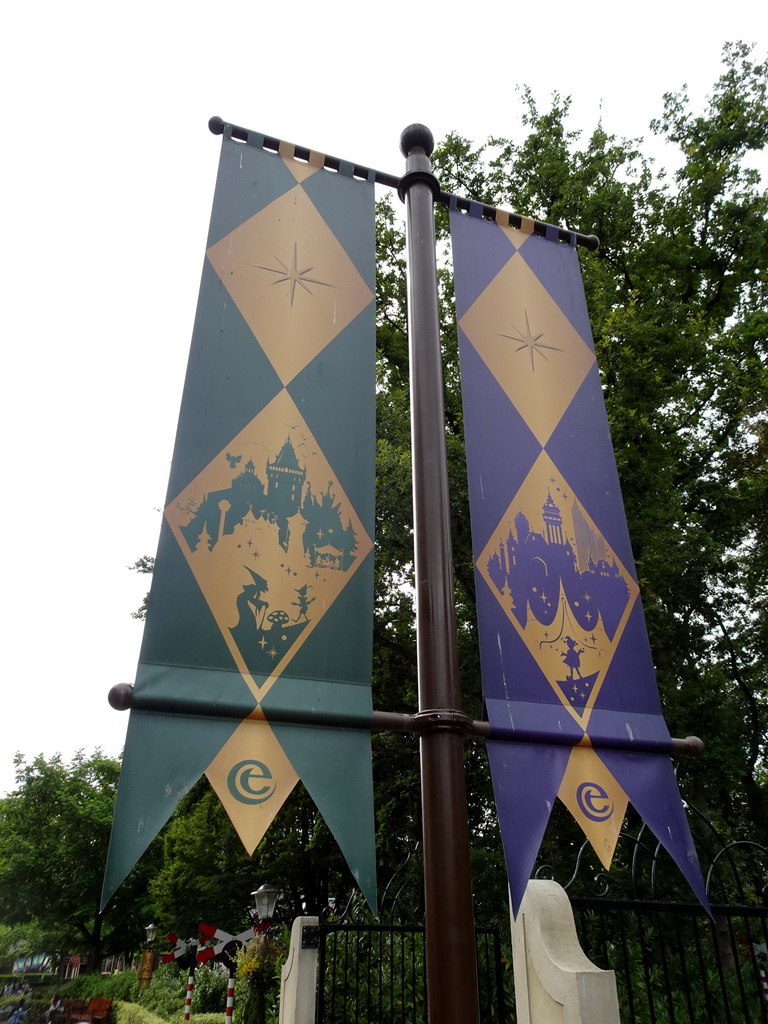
216,126
120,697
416,135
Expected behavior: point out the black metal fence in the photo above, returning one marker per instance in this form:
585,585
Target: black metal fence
376,974
674,964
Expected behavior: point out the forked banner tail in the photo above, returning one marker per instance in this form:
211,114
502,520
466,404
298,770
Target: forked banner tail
564,648
260,611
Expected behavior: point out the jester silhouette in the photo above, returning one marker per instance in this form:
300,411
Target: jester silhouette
572,658
303,603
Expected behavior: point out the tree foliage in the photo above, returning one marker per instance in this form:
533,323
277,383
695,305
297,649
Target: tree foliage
206,874
145,566
20,940
54,835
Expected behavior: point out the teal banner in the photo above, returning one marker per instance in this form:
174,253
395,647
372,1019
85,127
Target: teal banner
256,662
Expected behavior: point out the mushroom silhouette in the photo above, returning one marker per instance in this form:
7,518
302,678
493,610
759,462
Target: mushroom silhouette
278,619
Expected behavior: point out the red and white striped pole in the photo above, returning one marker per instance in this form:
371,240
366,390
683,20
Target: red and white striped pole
761,954
758,952
230,995
763,982
190,989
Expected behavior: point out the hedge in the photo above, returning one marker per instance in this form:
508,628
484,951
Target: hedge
132,1013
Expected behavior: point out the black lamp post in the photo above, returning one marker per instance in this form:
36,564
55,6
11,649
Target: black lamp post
265,897
147,967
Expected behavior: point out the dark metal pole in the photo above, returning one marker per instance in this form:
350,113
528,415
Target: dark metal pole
452,989
121,698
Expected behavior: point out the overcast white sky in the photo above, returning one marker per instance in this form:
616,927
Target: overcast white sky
108,175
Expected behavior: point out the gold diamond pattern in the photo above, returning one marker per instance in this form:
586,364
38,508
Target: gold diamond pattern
551,532
595,799
301,584
291,280
529,345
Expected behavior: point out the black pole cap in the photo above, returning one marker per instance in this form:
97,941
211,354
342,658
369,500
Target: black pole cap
120,697
417,135
216,126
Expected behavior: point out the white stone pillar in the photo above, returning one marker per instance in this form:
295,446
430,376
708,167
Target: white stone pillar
555,983
298,977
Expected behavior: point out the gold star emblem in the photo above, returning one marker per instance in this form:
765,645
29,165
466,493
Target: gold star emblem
517,299
293,275
257,255
531,342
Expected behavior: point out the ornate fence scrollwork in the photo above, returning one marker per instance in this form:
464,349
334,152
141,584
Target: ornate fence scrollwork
672,961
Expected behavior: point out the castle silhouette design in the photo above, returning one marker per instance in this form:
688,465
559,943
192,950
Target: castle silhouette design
327,543
297,537
530,567
220,511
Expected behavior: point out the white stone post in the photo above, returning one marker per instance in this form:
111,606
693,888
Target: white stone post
555,983
298,977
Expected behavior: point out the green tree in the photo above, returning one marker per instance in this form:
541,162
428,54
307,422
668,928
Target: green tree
54,834
146,566
206,875
19,940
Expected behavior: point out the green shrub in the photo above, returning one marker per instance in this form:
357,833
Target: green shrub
34,980
121,985
84,986
132,1013
166,993
210,993
29,979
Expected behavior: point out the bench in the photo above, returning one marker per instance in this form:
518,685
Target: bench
97,1010
73,1010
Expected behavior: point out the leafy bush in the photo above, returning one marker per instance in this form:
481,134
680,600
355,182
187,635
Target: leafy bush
166,993
84,986
121,985
132,1013
257,990
30,979
210,994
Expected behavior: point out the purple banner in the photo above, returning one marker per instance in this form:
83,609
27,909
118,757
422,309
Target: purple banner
568,680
